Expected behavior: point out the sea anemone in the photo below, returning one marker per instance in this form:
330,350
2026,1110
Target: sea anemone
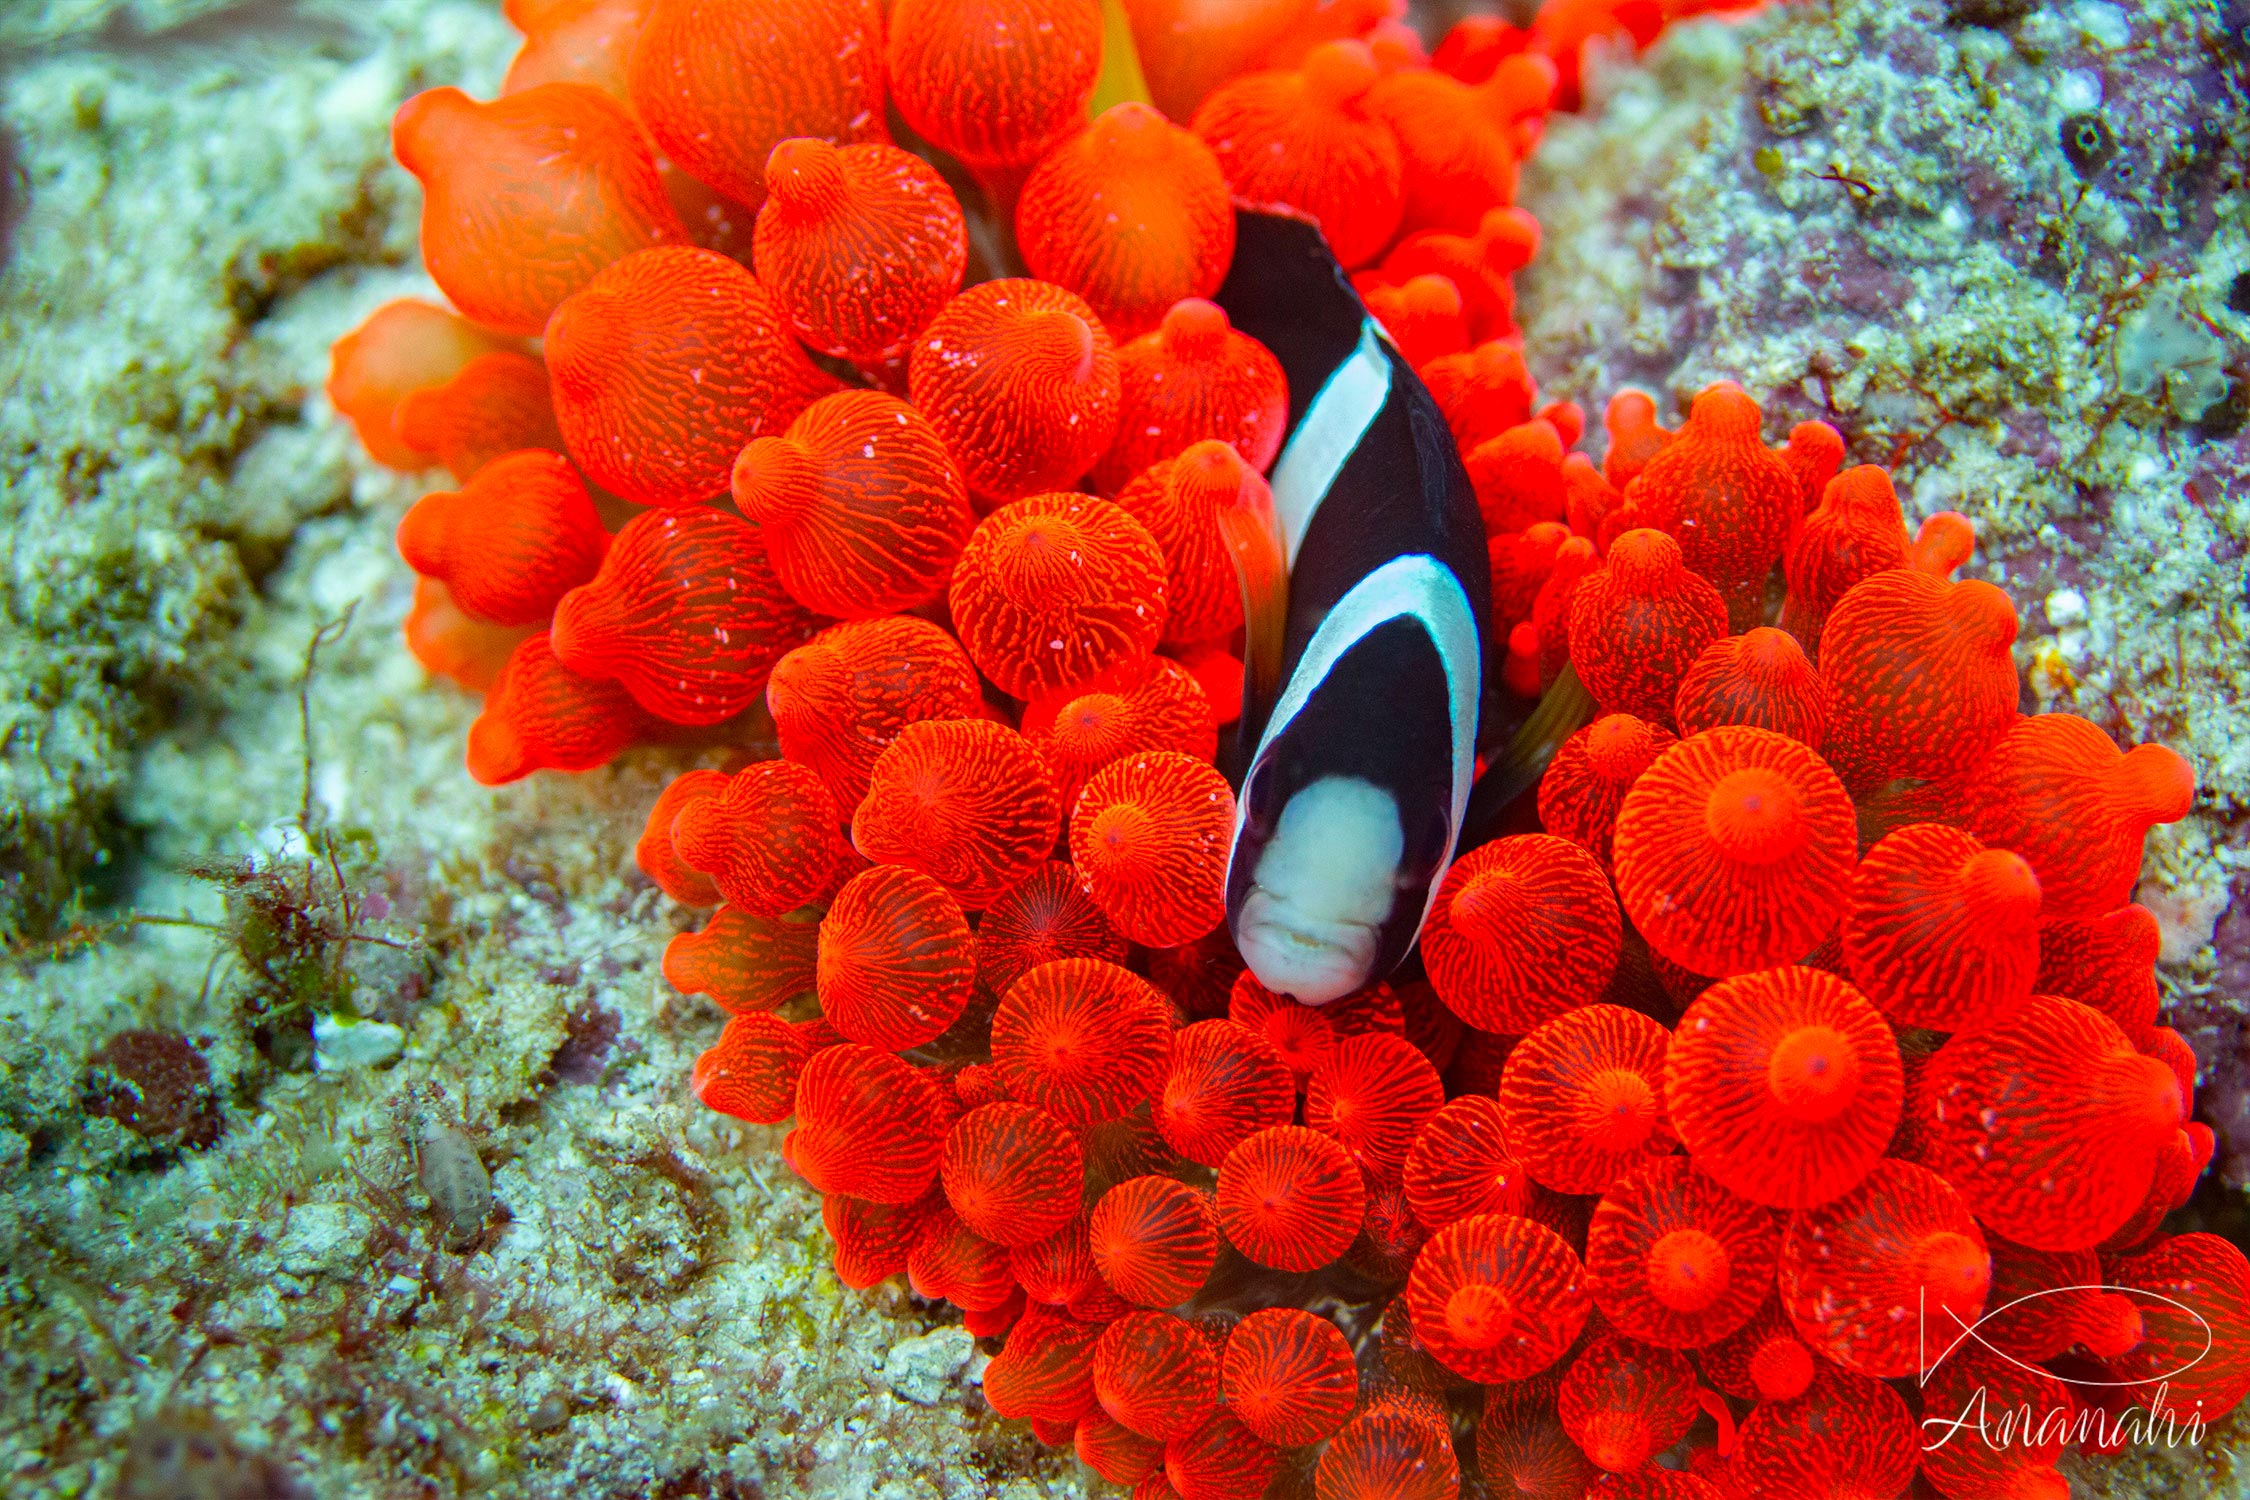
2057,791
965,801
577,179
1290,1198
543,716
1132,214
1674,1259
1846,1435
1921,682
1856,532
1056,589
1495,1297
767,840
1154,1240
868,1125
1156,1374
1390,1451
1194,379
2193,1295
516,537
1289,1376
718,83
1639,622
2049,1124
664,365
1179,497
1152,703
1481,268
860,245
1425,318
990,82
1582,1098
1306,139
1461,1165
1521,563
752,1069
1734,851
1482,392
1043,917
1020,379
1304,1035
1784,1086
450,644
1149,837
1943,932
1873,1277
1592,771
2107,962
1046,1372
1371,1094
1222,1459
1225,1083
1974,1379
873,1240
1058,1269
896,963
1113,1450
1082,1039
1523,1451
2044,1301
1764,1359
952,1262
1635,436
841,698
1622,1401
1518,475
743,961
1012,1173
1730,500
861,508
1520,931
1760,678
653,851
403,348
1823,854
685,613
1459,161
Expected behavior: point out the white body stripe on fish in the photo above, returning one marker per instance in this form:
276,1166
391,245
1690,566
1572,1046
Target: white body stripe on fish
1418,587
1338,418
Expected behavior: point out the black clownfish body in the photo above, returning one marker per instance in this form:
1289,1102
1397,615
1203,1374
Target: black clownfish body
1355,777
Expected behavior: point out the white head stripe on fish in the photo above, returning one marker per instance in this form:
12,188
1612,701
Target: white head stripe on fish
1417,587
1338,418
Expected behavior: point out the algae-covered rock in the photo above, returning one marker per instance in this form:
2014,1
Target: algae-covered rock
160,441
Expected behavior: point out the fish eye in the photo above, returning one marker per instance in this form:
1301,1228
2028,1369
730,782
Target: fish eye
1261,795
1425,850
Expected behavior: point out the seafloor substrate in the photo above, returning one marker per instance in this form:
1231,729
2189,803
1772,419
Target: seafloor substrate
1860,211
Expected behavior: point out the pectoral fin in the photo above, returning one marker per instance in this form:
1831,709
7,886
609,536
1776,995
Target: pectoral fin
1252,534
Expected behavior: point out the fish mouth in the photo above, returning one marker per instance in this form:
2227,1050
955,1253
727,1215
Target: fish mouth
1294,953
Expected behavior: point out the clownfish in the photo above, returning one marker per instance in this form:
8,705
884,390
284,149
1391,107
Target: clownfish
1366,593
